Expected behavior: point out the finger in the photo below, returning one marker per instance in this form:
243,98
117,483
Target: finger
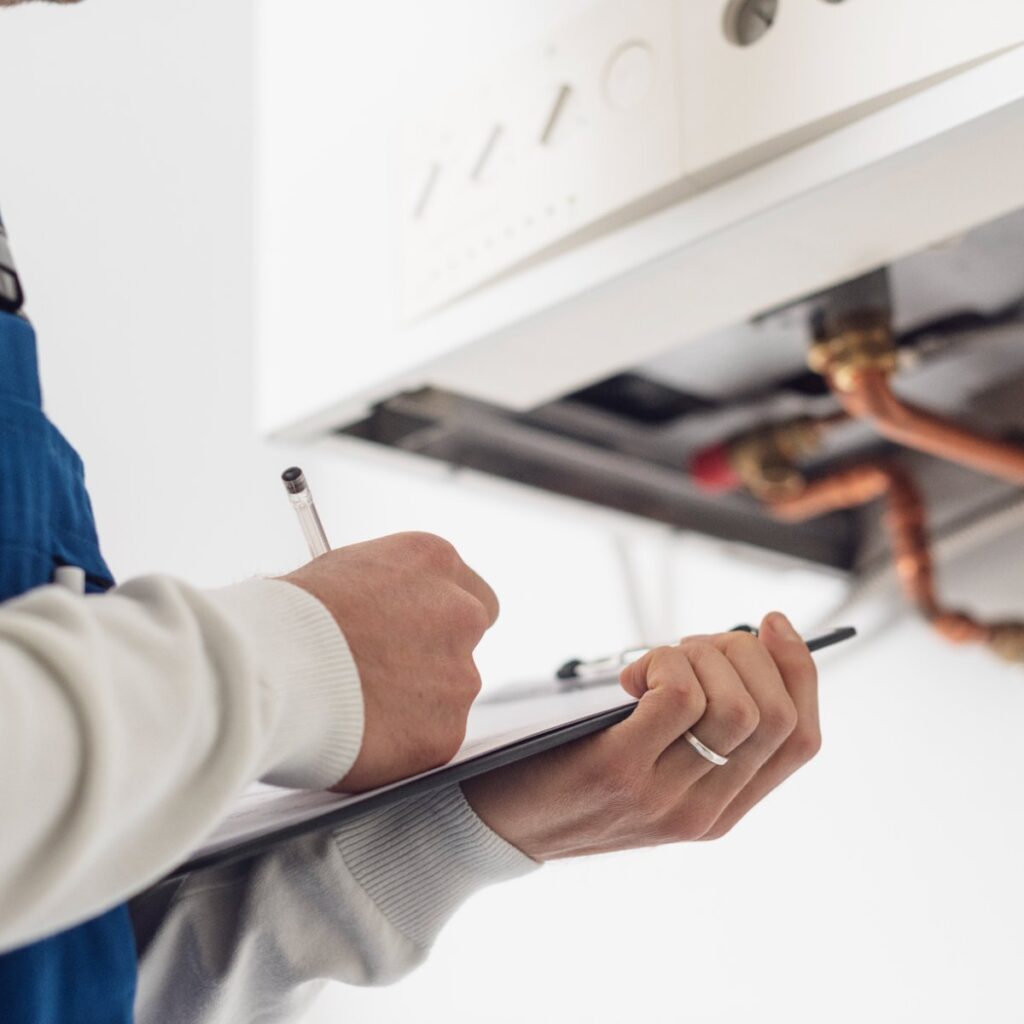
671,701
777,718
633,678
800,677
480,589
777,713
731,715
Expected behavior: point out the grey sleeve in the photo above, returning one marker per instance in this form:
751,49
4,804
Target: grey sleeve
362,905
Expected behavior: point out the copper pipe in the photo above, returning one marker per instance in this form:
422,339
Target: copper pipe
858,358
872,398
847,488
905,523
858,364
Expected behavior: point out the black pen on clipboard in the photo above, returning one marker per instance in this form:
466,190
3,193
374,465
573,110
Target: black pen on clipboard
577,671
301,498
578,674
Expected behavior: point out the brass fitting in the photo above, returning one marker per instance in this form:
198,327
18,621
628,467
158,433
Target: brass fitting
1007,640
765,460
846,355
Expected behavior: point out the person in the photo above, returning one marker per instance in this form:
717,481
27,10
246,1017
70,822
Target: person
130,719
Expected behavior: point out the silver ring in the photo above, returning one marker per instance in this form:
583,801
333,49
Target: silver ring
706,752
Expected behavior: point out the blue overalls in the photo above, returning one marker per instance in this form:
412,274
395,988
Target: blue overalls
85,975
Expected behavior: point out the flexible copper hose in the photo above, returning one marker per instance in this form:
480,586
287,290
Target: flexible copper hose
905,523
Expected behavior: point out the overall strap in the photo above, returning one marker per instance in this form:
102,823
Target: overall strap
19,369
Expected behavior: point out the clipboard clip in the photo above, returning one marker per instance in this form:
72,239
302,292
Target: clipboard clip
576,670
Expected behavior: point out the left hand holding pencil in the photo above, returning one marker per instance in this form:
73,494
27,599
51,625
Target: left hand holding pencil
412,612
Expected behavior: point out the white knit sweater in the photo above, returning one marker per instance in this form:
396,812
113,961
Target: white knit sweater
129,722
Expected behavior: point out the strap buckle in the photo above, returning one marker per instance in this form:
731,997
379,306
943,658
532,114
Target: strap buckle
11,295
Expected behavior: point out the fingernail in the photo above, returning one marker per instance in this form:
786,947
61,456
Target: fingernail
781,626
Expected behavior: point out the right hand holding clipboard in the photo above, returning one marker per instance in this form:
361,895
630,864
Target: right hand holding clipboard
722,720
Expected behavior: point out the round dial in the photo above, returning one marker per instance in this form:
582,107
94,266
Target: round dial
746,21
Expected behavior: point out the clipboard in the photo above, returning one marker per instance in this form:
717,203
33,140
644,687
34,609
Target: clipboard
536,718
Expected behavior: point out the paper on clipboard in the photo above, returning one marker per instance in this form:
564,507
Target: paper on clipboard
508,716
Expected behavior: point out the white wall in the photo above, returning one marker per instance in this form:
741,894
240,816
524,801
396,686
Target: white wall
882,884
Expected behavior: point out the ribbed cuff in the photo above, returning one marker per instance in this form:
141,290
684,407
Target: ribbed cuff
418,860
305,661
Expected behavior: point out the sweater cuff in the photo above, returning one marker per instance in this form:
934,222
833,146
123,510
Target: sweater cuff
304,661
418,860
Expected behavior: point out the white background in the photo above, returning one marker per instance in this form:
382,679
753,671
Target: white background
881,884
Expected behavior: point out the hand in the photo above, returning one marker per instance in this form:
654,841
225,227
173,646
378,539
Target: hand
640,783
412,612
